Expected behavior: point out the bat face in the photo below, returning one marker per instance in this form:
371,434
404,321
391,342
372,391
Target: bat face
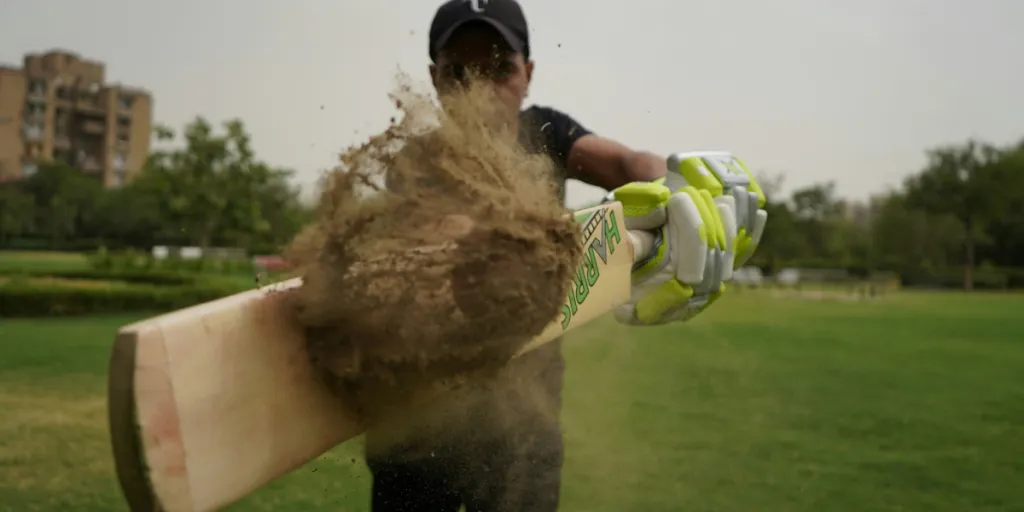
602,279
212,402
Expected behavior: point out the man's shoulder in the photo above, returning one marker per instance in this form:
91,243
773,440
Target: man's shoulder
542,114
552,122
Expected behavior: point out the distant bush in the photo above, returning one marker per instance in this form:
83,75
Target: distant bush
136,260
953,277
986,277
160,278
25,296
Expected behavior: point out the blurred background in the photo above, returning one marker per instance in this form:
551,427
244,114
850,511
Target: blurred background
153,156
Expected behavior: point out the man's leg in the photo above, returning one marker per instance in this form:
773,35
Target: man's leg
522,475
519,468
412,485
539,473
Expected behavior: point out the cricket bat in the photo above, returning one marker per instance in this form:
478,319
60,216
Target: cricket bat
210,403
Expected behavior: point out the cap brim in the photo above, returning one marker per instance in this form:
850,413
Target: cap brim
513,42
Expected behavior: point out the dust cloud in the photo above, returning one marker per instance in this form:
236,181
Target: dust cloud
445,273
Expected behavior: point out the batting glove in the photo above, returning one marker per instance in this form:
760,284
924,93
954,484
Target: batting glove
684,273
730,184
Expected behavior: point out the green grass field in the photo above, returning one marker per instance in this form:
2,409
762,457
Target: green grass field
910,403
15,261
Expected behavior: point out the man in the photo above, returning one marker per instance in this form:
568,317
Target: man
469,460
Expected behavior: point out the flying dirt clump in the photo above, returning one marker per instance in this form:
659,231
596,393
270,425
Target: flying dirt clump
452,267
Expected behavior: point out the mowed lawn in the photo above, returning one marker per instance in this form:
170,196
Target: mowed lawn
21,261
914,402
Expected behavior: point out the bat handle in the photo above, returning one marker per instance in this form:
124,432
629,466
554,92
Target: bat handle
643,243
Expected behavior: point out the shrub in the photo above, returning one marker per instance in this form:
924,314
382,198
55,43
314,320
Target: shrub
27,297
953,277
135,260
125,276
1014,278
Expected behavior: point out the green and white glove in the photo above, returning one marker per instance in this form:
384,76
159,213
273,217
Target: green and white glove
730,183
692,234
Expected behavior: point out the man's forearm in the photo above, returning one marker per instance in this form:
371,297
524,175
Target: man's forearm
642,166
609,164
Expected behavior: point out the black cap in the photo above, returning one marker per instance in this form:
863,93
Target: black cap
506,16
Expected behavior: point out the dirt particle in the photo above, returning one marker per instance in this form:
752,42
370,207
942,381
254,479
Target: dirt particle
447,273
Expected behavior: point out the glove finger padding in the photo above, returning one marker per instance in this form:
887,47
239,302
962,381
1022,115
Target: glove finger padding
741,204
696,239
727,212
643,204
747,242
688,236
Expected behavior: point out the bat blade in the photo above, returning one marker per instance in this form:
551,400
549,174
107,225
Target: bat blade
210,403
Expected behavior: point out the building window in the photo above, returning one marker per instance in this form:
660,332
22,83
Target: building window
37,88
34,113
28,169
32,131
119,161
119,178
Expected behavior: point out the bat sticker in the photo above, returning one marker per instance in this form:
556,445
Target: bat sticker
602,236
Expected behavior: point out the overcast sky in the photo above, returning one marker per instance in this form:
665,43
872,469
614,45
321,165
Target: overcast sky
845,90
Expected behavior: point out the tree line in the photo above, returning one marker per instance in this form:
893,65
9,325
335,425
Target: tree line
958,221
209,190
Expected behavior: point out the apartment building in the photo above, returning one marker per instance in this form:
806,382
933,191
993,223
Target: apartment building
58,106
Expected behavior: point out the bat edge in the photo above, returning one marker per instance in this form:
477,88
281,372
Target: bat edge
123,425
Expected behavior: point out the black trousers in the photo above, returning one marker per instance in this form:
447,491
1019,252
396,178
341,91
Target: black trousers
497,450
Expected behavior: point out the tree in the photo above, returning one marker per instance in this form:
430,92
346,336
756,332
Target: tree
130,216
214,190
1006,230
908,240
971,182
17,212
65,201
819,217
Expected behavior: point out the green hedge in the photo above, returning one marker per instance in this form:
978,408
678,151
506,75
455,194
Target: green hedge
25,297
986,277
954,278
156,278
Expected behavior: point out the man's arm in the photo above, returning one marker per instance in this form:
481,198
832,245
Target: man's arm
594,159
608,164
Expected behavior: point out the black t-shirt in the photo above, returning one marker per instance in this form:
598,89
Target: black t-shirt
550,131
544,130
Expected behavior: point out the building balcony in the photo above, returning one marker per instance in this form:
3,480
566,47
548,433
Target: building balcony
32,132
37,90
64,94
33,150
29,168
93,127
91,106
124,103
34,115
90,164
37,98
119,162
